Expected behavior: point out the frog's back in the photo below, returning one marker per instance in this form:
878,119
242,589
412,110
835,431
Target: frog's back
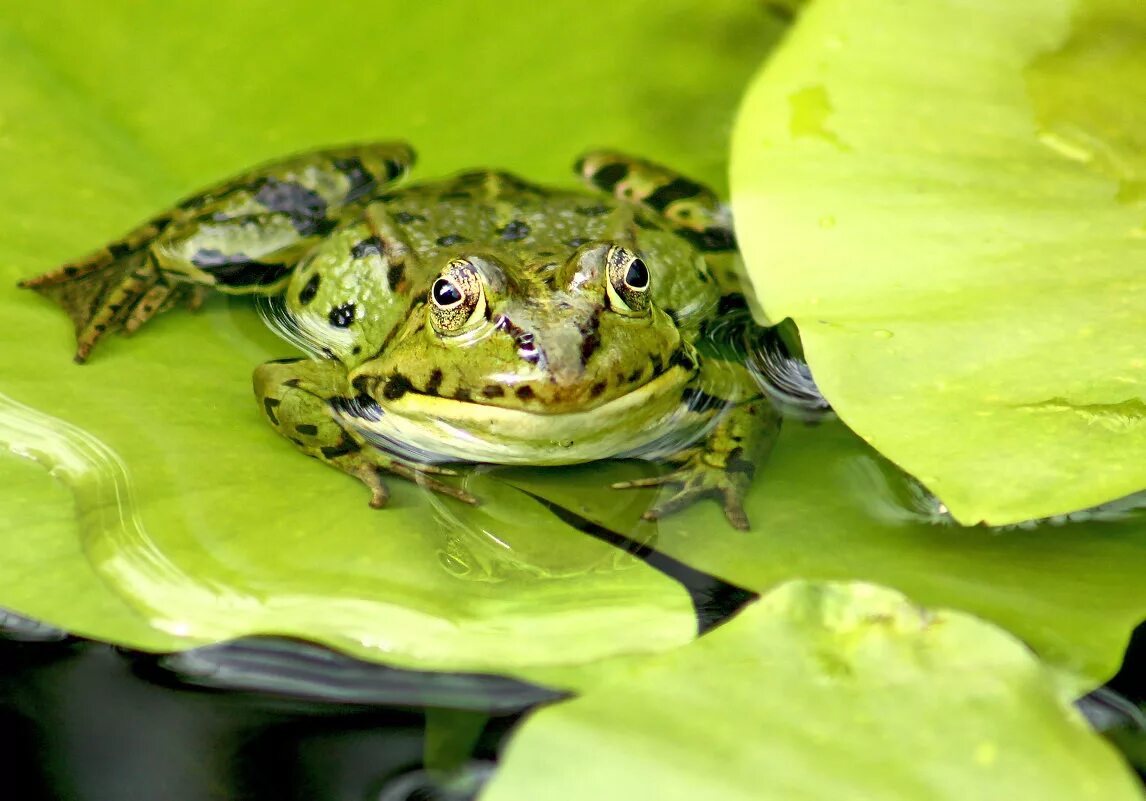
498,210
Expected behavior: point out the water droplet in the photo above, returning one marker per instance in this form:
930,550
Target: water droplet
883,333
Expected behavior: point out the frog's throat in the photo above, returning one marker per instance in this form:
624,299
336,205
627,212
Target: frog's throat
648,421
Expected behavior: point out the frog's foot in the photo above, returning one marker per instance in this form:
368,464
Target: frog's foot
102,294
702,475
295,397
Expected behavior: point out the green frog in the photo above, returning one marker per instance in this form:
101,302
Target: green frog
480,318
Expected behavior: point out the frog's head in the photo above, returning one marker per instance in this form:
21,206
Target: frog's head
508,351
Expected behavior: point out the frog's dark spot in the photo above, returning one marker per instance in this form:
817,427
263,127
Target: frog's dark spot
287,360
356,349
346,445
114,307
237,269
514,230
394,275
305,207
697,400
371,246
362,384
293,383
576,242
492,391
471,178
359,178
328,353
462,395
635,376
737,464
456,194
298,442
192,203
610,175
683,357
342,316
306,429
593,211
596,390
362,406
397,385
713,238
269,406
405,217
526,347
435,382
677,189
451,239
100,327
119,250
395,168
524,393
590,337
306,295
71,270
731,302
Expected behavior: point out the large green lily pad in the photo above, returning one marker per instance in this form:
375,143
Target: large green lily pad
948,198
192,521
822,691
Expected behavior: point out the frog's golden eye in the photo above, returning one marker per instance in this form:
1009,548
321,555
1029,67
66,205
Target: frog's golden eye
629,281
457,298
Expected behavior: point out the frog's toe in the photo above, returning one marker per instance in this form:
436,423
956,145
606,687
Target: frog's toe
370,476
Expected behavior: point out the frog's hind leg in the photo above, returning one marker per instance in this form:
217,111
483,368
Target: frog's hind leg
242,236
692,209
297,396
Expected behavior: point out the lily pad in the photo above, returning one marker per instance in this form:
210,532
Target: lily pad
192,521
957,224
823,691
829,507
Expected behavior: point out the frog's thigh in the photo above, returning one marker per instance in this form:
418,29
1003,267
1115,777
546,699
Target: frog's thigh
692,209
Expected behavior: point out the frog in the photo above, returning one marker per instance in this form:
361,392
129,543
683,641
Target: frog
478,318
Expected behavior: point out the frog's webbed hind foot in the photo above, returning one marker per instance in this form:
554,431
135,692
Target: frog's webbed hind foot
696,478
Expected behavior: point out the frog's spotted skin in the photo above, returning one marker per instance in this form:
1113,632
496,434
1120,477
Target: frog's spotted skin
479,318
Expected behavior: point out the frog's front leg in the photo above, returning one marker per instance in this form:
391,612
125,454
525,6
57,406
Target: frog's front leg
722,466
242,236
296,396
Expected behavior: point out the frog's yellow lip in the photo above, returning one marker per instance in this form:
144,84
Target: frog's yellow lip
447,429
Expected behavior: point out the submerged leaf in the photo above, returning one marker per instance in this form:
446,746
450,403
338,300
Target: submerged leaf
958,226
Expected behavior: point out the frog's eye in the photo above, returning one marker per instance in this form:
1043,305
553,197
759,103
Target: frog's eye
457,297
628,284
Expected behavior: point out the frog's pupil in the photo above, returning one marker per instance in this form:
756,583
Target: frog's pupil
638,275
445,293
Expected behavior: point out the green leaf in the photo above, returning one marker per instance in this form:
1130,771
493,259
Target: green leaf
826,506
192,520
948,198
822,691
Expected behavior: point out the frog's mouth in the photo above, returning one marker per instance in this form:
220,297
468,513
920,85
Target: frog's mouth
648,421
